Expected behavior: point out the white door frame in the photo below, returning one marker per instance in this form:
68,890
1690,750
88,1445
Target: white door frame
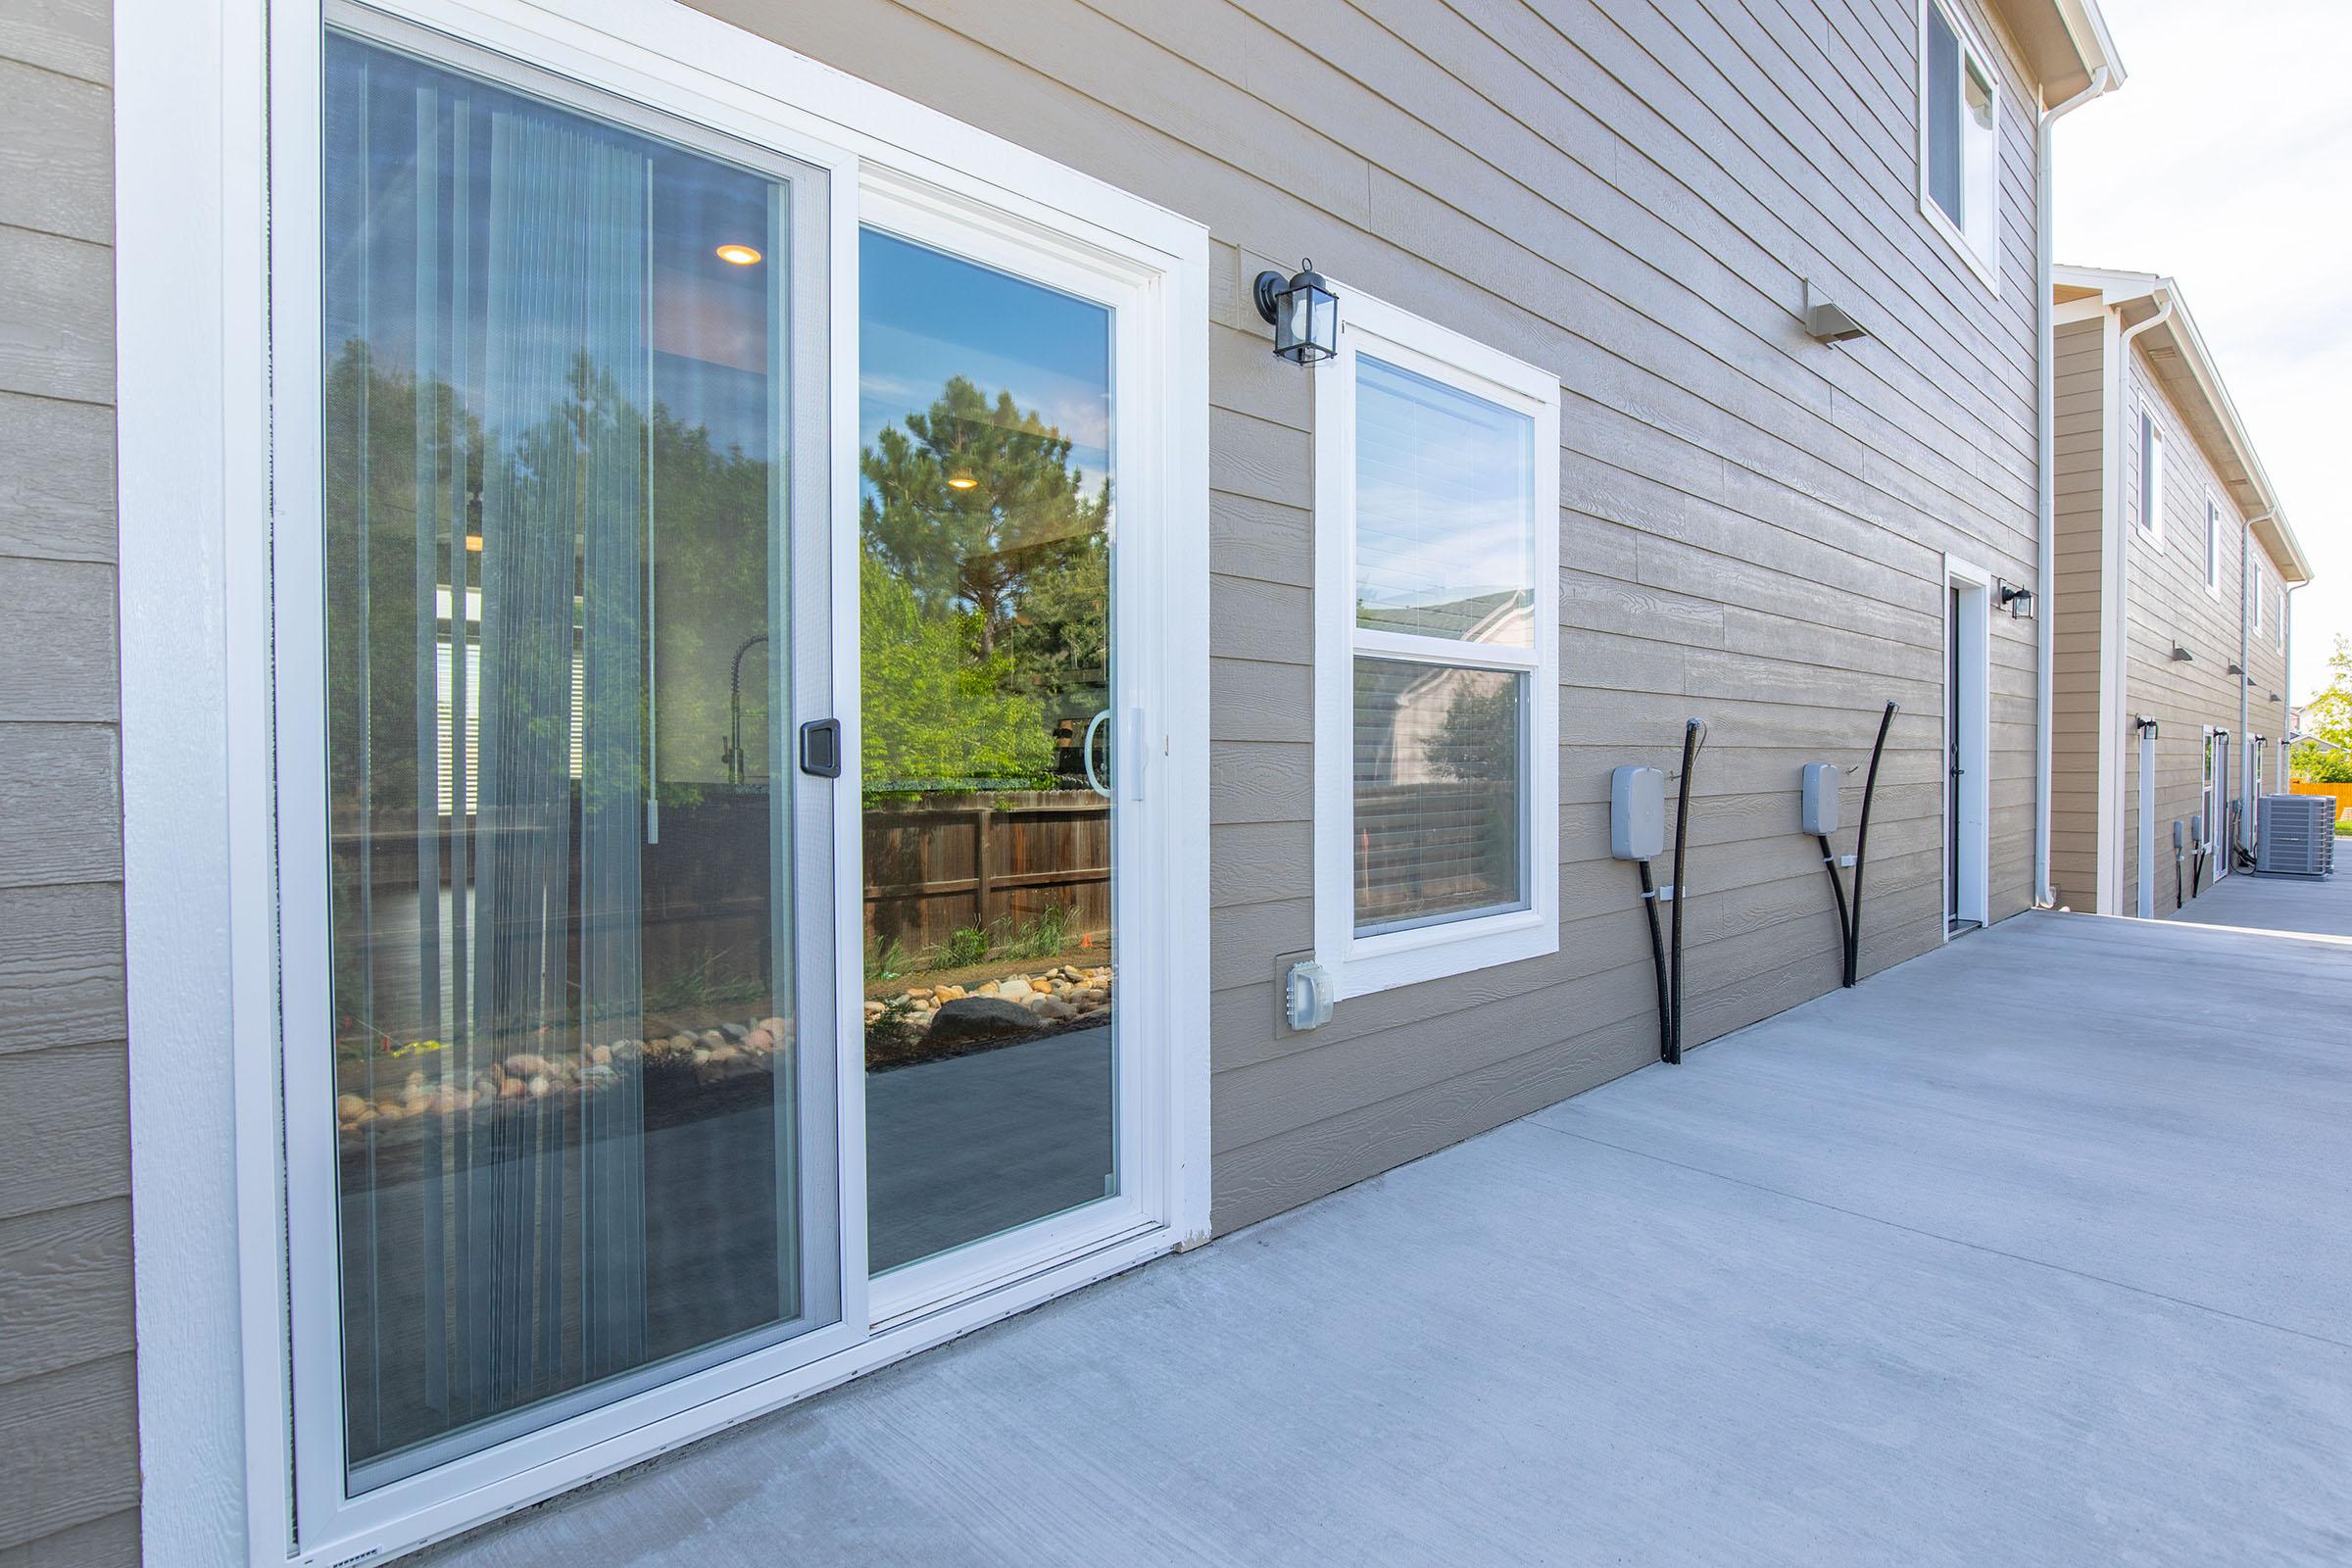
194,299
2217,819
1967,646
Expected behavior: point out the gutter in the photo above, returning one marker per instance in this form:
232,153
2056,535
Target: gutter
2114,649
2045,554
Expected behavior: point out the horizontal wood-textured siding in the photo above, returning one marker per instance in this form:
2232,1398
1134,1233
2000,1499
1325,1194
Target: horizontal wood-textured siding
2167,603
2077,609
68,1452
1752,524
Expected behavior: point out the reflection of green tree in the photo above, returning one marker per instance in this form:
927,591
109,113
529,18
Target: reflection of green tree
987,571
1478,740
937,711
370,489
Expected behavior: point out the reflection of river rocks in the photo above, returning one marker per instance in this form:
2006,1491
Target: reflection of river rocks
383,1093
925,1023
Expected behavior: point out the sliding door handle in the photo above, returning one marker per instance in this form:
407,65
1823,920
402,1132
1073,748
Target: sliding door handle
821,748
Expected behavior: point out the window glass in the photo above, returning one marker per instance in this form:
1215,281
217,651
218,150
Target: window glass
1944,155
1445,531
985,520
571,1130
2213,543
2151,475
1437,797
1962,174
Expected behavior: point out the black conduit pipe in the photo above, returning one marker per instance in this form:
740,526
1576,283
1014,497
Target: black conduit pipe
1694,736
1870,789
1657,957
1829,860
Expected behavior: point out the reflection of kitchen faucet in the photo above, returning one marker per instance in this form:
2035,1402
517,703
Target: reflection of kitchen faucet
731,754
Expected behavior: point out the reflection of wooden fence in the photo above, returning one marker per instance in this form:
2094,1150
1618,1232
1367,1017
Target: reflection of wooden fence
1435,846
943,862
934,864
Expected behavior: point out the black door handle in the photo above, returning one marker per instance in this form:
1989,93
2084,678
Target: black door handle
821,748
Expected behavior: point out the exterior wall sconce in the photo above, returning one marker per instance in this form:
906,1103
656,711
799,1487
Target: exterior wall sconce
2181,656
2145,725
2019,602
1830,322
1304,312
2236,669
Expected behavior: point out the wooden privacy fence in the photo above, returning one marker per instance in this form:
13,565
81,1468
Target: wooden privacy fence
2341,792
941,864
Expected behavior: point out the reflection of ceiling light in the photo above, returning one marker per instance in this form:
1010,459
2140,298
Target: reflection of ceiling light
739,255
473,542
960,481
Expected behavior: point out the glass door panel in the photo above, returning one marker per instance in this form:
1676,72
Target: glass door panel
580,1146
985,525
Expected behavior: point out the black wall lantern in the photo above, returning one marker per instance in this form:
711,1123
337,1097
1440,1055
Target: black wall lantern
2019,602
1304,313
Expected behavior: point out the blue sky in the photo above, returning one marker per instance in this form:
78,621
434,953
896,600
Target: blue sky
2225,162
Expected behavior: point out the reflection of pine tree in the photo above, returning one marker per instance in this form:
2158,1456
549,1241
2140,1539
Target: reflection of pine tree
996,555
977,504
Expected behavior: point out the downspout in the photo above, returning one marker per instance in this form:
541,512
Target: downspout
2286,692
2244,740
2110,724
2046,554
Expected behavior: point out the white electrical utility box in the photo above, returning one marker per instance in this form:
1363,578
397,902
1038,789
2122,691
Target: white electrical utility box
1822,780
1637,813
1310,996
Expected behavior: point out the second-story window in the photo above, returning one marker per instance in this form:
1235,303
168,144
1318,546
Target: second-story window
2151,476
1960,179
2213,547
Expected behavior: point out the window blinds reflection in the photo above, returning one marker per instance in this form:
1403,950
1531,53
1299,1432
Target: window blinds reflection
566,1114
1436,791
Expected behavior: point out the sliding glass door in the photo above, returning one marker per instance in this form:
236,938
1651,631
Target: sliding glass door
575,599
730,842
985,412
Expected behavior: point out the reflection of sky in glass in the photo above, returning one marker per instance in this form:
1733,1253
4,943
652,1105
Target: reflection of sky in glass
925,316
1444,503
710,318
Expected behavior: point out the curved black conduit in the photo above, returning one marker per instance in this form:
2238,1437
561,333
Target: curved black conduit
1693,737
1870,789
1657,957
1829,860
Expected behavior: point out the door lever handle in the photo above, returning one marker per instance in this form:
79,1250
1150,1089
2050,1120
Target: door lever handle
821,748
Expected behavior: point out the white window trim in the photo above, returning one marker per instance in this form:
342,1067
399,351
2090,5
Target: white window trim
1986,268
1359,965
194,303
2214,518
2152,444
2257,589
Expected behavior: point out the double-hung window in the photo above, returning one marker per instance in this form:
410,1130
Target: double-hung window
1959,138
2213,546
2151,476
2256,593
1436,494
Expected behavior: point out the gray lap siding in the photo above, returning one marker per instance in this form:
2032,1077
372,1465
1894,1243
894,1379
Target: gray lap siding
1753,528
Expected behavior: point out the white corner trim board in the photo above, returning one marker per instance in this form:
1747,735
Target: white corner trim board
201,483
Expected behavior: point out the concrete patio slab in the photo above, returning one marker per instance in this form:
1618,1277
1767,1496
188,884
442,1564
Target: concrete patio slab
2032,1251
2278,903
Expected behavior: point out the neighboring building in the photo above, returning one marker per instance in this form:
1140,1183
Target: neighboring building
529,440
2170,600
